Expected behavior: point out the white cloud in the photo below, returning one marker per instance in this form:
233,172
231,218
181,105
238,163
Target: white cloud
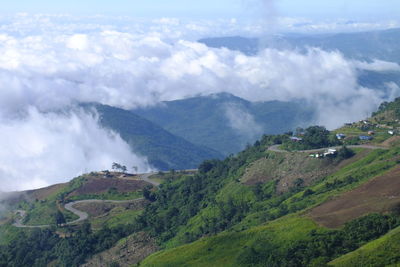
39,149
242,121
78,42
378,66
126,66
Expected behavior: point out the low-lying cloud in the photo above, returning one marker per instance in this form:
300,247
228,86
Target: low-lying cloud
42,148
42,72
243,122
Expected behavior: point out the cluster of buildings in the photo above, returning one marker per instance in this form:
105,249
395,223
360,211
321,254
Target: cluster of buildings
328,153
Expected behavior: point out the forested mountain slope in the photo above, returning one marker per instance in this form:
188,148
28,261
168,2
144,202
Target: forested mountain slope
163,149
225,122
261,207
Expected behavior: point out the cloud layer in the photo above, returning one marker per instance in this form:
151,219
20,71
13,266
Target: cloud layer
48,147
127,67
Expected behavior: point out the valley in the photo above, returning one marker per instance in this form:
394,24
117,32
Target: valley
178,133
260,205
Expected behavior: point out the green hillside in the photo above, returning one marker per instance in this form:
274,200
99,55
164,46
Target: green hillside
260,207
164,150
206,120
381,252
249,223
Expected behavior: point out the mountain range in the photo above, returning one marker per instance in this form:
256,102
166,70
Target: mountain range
163,150
263,206
381,45
224,122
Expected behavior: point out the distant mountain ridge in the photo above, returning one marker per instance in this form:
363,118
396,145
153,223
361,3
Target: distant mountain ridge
163,150
381,45
224,122
364,46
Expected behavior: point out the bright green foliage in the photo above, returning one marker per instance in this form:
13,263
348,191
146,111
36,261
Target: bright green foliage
389,106
314,137
230,223
289,241
41,246
381,252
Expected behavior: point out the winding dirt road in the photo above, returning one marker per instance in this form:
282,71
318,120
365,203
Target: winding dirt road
81,214
18,221
69,206
146,177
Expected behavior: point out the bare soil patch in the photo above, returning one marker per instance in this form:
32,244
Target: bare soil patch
44,193
379,195
95,209
392,141
286,168
102,185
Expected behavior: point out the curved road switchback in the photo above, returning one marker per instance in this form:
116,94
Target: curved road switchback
70,207
81,214
18,221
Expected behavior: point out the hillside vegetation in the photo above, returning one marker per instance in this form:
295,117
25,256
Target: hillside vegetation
213,121
163,149
381,252
257,208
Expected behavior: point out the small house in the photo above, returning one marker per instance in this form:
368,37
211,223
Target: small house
296,139
340,136
330,152
391,132
371,132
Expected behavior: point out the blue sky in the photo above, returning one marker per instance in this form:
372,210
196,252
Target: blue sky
315,9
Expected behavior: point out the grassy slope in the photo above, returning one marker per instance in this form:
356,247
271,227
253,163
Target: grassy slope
218,250
42,212
381,252
224,249
116,217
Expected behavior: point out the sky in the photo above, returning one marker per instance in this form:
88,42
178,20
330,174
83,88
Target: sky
54,55
315,9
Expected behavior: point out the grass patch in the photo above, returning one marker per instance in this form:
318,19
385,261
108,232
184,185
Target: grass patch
110,195
225,248
117,216
381,252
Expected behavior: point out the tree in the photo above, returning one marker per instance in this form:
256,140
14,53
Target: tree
345,153
123,169
316,137
116,166
206,166
59,218
135,169
147,194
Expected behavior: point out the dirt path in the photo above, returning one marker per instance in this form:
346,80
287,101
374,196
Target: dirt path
275,148
81,214
146,177
69,206
18,221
